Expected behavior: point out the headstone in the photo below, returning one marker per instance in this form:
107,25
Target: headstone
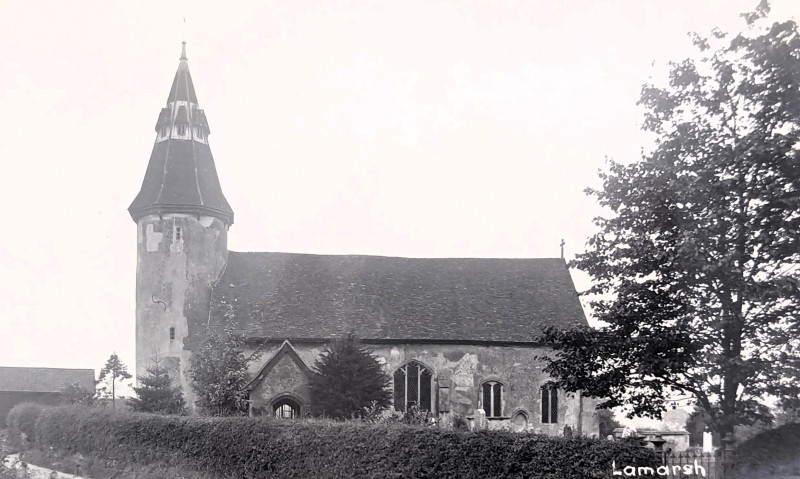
707,445
480,420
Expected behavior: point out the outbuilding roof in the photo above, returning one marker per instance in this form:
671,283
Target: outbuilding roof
305,296
44,379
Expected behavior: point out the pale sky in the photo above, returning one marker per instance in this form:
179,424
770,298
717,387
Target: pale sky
397,128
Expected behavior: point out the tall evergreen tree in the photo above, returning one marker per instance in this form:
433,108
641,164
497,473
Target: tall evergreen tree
348,382
114,370
696,269
157,393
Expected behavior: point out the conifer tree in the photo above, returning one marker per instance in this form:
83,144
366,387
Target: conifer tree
157,393
349,382
114,370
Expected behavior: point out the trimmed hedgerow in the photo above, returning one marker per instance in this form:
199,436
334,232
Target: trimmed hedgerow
769,453
253,448
21,422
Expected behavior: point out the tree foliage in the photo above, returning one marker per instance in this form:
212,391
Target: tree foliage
157,393
349,382
74,393
219,373
113,371
697,270
607,422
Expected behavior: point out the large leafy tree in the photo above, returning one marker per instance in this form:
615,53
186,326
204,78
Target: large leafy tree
114,371
348,382
696,271
157,393
218,368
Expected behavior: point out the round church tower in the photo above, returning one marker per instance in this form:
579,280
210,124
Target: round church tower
182,221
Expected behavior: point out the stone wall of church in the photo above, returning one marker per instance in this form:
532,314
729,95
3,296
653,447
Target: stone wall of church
178,258
459,371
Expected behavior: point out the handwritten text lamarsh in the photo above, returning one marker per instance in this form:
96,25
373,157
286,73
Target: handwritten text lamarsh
675,471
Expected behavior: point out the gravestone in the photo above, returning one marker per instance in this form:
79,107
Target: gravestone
480,420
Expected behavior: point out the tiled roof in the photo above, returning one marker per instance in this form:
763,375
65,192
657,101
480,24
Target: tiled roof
181,178
304,296
44,379
163,118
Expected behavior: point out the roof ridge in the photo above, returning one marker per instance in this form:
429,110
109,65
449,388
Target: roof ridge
431,258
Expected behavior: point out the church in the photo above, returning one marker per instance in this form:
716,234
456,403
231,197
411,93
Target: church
457,336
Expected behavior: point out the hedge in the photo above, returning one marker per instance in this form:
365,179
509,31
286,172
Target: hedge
21,420
769,453
257,447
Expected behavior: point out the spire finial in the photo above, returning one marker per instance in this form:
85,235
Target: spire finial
562,248
183,51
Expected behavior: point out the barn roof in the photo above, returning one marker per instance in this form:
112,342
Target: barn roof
305,296
44,379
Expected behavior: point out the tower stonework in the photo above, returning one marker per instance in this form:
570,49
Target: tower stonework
182,221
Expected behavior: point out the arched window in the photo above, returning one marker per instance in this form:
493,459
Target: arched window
286,408
412,387
492,398
549,404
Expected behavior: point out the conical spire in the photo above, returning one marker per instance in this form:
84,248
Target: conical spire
182,86
181,176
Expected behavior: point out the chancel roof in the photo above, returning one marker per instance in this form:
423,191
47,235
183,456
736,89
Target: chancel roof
306,296
44,379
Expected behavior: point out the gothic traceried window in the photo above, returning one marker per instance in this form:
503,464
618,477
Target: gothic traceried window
412,387
492,398
549,404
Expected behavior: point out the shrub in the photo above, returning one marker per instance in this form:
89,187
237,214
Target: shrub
349,382
74,393
157,393
257,447
22,423
769,453
219,373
